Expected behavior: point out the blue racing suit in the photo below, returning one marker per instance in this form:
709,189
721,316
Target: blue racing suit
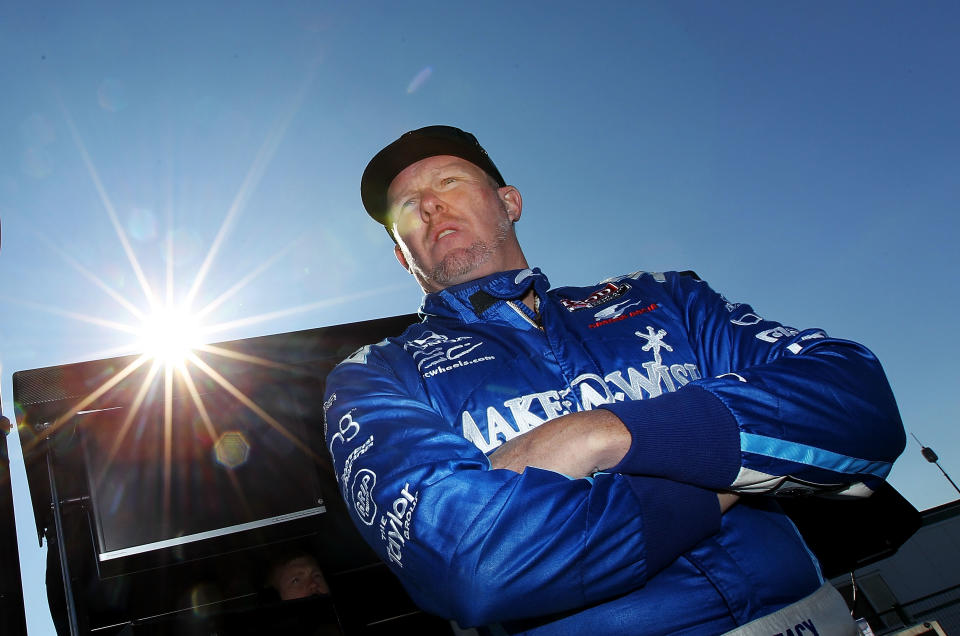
715,398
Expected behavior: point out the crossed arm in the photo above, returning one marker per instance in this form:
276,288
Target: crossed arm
577,445
775,406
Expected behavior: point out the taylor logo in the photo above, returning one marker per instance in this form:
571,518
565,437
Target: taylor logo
436,353
395,525
607,293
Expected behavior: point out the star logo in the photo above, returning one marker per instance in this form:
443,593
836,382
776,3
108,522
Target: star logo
654,342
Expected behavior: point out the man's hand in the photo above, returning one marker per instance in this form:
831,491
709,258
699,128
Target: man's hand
727,500
576,445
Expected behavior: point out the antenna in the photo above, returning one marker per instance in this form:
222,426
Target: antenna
931,456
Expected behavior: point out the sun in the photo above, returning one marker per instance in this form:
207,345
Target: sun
169,335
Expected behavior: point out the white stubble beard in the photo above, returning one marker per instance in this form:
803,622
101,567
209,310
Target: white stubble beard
460,262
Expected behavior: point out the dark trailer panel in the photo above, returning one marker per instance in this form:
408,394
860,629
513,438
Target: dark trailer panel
164,498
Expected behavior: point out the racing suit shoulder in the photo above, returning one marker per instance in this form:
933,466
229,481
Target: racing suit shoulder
786,410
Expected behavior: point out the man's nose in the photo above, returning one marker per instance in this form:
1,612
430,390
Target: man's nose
430,204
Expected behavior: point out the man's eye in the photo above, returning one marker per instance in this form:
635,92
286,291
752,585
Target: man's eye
448,180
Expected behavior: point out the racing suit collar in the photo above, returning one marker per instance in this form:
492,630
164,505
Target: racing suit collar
467,301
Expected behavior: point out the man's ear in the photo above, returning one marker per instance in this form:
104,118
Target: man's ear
400,257
512,202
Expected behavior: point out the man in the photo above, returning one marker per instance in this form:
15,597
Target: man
505,457
297,575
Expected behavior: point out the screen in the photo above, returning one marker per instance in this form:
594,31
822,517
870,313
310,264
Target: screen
205,464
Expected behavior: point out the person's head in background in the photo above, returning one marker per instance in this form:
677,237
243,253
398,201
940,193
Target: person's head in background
297,575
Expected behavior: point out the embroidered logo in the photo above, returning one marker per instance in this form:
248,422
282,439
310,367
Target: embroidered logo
607,293
489,426
361,494
433,351
618,312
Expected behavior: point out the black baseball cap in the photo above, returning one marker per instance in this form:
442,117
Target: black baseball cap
410,148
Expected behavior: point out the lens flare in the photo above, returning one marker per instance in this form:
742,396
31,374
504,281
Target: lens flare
203,596
142,225
419,80
112,95
37,162
232,449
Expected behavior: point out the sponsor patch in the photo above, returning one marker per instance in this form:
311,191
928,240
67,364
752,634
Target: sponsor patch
490,426
436,353
361,495
395,525
352,457
329,403
772,335
607,293
620,312
729,306
456,365
746,320
654,341
347,429
326,407
796,347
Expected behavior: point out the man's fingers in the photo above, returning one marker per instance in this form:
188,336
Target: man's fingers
727,500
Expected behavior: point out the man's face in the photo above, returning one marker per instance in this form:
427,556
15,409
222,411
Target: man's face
451,222
300,578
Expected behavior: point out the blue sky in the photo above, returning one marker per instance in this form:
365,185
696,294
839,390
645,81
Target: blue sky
802,157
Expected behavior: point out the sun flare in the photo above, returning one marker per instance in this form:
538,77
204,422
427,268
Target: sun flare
169,335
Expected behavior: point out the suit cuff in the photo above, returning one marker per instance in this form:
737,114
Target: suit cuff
676,517
687,436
